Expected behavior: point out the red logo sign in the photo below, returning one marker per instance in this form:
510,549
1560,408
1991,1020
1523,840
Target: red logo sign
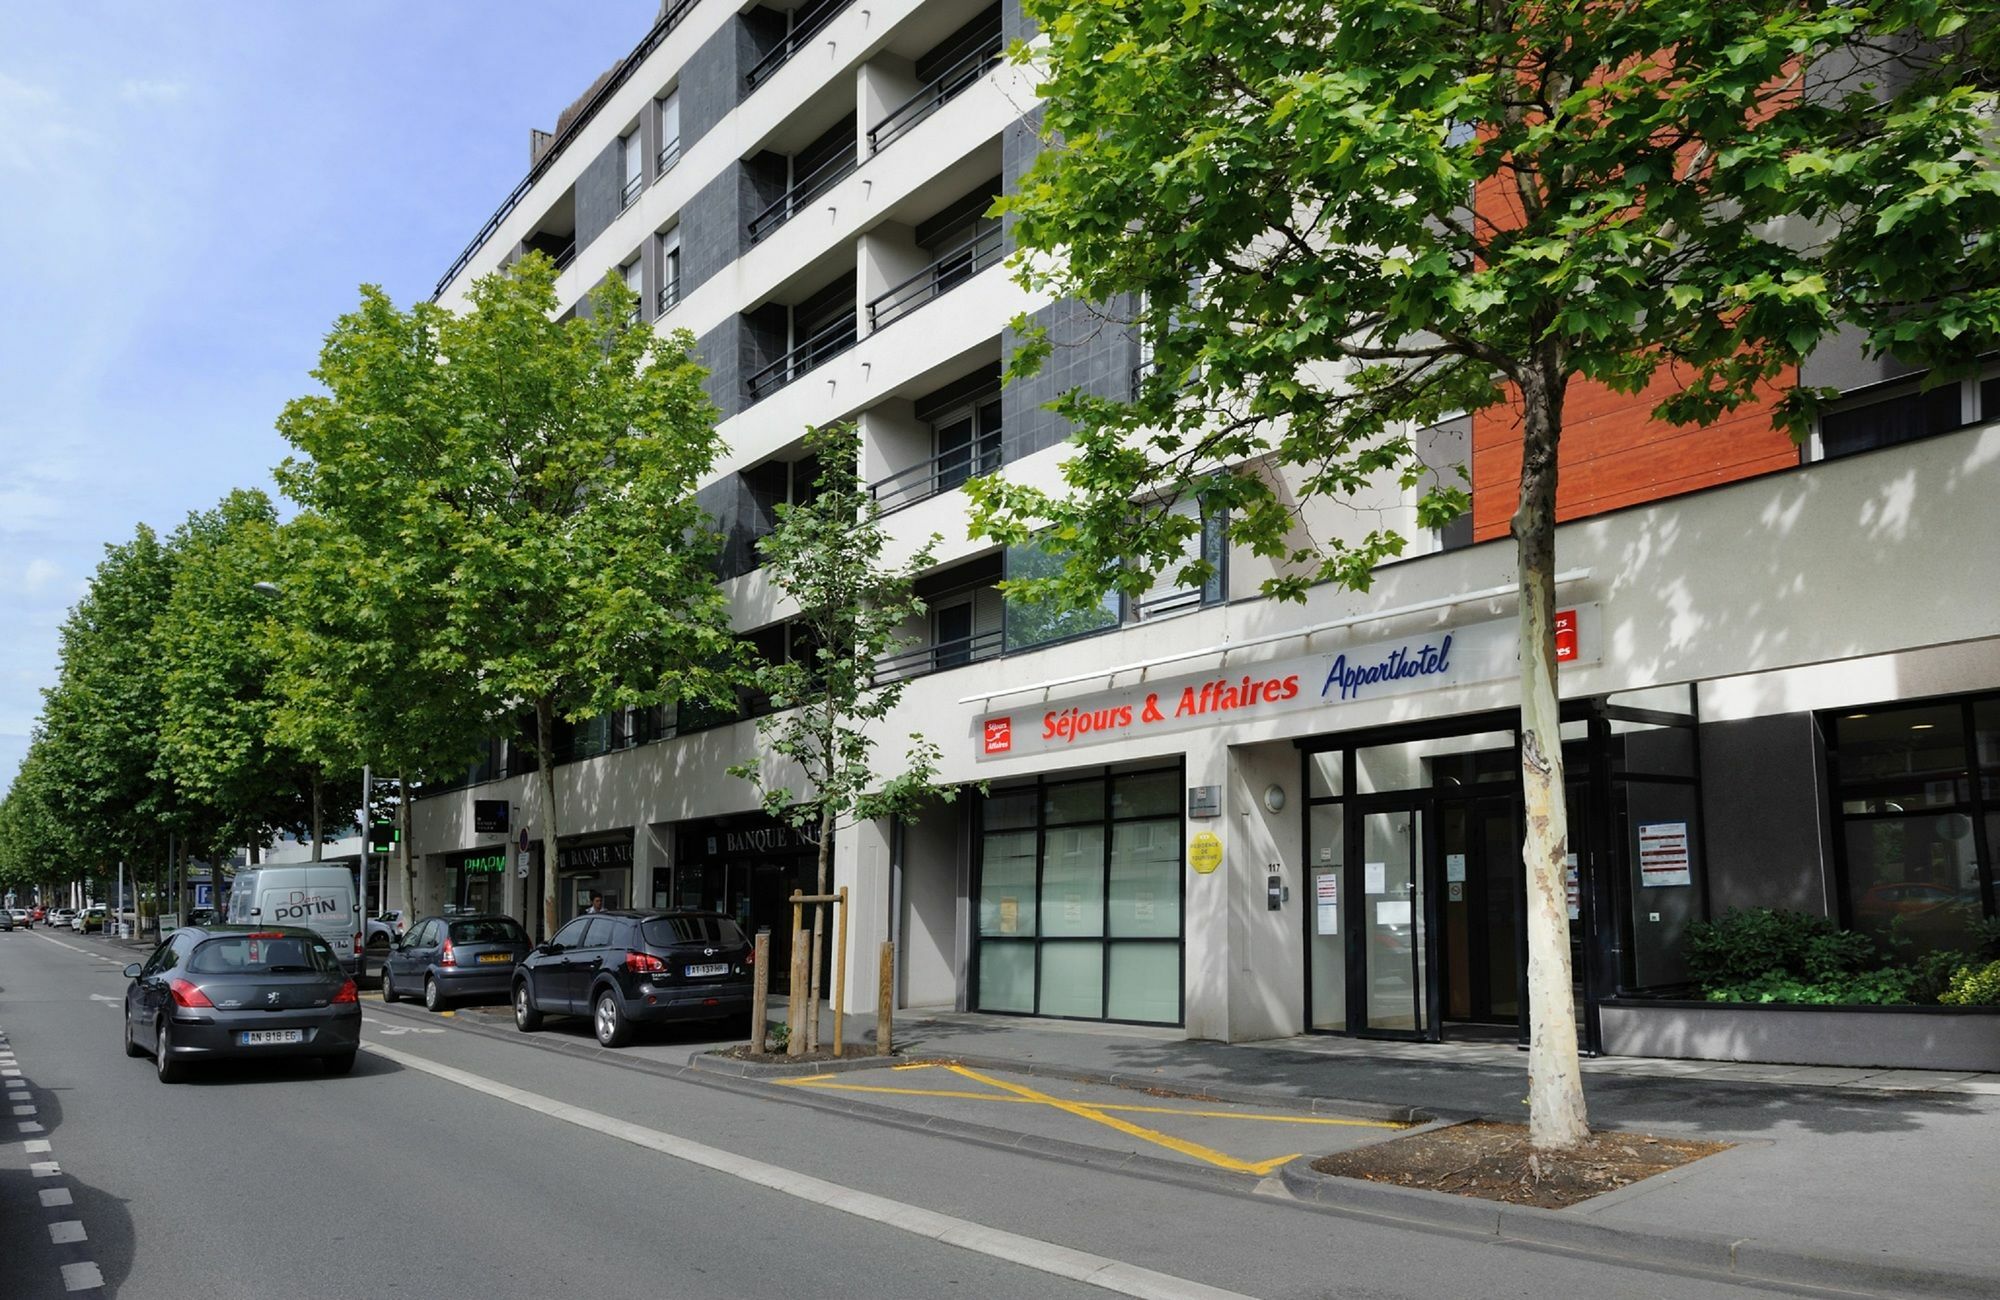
1565,635
999,735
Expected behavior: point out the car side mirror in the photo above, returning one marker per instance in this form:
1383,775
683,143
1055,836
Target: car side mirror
132,971
549,949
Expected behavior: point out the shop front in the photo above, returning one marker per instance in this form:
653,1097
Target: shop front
476,881
593,872
746,867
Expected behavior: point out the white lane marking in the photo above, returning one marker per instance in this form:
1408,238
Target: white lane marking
1029,1252
102,997
82,1277
11,1074
64,1231
27,1126
24,1110
393,1030
36,1146
55,1196
45,1169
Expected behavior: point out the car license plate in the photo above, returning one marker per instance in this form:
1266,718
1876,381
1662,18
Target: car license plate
493,958
259,1037
713,968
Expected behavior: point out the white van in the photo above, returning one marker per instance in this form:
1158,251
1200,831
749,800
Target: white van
319,898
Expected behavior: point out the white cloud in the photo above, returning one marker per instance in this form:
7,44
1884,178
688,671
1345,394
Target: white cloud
137,91
34,126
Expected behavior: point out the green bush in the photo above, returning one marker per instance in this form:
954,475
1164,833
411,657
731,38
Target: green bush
1974,986
1889,986
1758,943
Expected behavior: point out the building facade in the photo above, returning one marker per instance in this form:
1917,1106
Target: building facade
1204,809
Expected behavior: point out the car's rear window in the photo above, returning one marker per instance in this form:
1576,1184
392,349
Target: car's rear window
493,930
252,954
691,929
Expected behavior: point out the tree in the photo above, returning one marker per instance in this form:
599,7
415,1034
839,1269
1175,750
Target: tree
1346,221
34,850
552,466
826,554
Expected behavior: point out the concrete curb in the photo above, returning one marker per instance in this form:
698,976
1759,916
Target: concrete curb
1744,1258
708,1063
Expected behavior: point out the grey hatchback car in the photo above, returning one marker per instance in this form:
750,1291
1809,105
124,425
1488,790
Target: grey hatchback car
241,992
450,958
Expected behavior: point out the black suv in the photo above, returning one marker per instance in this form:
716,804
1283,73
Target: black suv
622,968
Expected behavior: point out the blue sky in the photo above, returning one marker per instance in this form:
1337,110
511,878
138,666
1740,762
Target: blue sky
189,194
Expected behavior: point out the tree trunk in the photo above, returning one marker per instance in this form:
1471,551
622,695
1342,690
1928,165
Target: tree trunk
408,864
318,815
545,774
1556,1116
819,923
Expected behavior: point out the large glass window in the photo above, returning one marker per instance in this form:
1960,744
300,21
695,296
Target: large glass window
1032,623
1080,898
1917,807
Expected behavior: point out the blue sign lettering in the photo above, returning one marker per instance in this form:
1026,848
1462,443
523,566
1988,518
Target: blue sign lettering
1403,662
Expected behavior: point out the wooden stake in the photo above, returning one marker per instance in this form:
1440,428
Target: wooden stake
760,996
795,1042
840,969
885,1001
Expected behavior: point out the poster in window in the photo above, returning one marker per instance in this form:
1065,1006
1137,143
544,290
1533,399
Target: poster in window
1573,889
1010,915
1663,854
1326,903
1375,877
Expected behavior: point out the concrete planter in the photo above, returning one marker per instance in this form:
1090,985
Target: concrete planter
1897,1038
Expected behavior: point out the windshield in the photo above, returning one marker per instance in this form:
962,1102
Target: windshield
248,954
497,929
692,929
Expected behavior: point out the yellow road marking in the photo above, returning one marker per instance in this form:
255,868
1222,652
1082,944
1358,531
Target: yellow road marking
1094,1105
1081,1111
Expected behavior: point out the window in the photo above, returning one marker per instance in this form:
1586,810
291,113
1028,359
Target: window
670,269
1917,813
600,933
1079,898
634,169
1031,623
670,131
633,273
1888,421
571,935
967,443
1168,595
719,930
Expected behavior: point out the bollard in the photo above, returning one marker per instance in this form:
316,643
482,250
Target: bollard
795,1043
885,1002
760,991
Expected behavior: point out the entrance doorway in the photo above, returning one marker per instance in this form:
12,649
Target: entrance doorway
1481,946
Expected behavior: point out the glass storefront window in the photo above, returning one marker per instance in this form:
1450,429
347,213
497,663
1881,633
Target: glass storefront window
1007,884
1324,774
1073,882
1007,977
1913,880
1146,794
1074,801
1145,982
1073,978
1145,879
1442,761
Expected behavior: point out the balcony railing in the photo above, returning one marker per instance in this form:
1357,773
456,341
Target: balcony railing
670,295
565,255
939,656
943,275
669,19
670,153
941,473
631,191
822,347
795,40
980,53
1165,603
803,190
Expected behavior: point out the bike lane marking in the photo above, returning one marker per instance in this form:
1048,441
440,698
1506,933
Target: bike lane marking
1030,1252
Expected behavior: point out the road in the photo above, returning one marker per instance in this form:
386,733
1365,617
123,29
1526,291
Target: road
452,1162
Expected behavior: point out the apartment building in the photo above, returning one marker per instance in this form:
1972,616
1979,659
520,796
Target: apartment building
1203,809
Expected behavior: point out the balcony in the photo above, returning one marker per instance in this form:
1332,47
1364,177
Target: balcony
670,295
939,656
951,269
820,347
630,194
806,24
670,153
964,64
940,474
803,190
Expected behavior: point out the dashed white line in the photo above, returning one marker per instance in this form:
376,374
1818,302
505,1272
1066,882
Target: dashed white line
24,1110
64,1231
36,1146
45,1169
81,1277
55,1196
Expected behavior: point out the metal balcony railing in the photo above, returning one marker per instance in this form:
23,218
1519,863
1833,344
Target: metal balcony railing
565,255
946,273
1161,604
803,30
803,190
941,473
980,54
670,153
669,19
822,347
939,656
670,295
631,191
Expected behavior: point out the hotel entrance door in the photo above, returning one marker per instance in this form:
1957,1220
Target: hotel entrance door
1480,908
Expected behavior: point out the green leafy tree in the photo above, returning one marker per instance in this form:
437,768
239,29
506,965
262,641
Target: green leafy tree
35,851
1346,221
551,466
817,769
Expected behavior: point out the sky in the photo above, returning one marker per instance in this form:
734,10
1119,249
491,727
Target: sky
190,193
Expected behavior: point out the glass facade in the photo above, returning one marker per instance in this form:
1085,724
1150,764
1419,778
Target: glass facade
1080,898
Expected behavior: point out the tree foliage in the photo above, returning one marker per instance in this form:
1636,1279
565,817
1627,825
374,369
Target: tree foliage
1342,222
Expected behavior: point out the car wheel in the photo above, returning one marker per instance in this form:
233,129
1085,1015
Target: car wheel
388,985
613,1029
131,1048
339,1064
434,999
169,1070
526,1018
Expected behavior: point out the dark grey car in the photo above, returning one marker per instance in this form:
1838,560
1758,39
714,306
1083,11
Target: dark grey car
450,958
241,992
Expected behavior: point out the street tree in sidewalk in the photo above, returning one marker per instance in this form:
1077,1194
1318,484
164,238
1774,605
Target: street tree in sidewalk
543,471
34,849
855,607
1343,222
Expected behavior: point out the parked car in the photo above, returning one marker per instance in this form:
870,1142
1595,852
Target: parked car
451,958
91,920
202,916
20,917
223,992
61,917
6,921
627,967
38,914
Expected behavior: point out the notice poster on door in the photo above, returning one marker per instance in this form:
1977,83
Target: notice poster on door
1375,878
1573,889
1663,854
1010,915
1454,868
1326,903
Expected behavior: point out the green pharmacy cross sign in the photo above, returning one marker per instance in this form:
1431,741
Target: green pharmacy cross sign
383,837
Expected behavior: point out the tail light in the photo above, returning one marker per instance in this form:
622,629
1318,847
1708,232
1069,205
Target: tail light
447,957
645,963
750,955
347,994
187,995
357,945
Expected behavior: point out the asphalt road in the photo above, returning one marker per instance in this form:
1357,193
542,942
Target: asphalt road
459,1164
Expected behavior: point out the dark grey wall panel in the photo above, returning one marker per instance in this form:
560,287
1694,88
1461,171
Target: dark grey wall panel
721,351
597,192
712,228
712,82
1015,25
1762,788
1093,350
